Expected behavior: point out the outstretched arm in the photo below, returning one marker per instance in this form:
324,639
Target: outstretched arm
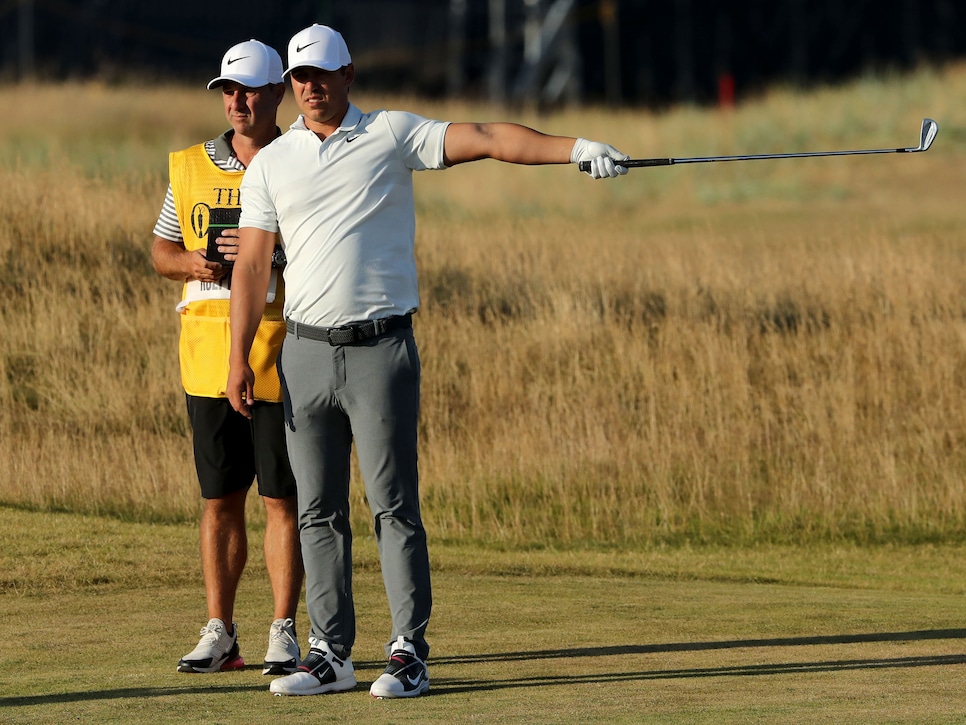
508,142
518,144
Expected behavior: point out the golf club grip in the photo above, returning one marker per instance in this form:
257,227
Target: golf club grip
630,163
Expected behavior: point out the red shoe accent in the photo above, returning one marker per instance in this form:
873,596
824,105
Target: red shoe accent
236,664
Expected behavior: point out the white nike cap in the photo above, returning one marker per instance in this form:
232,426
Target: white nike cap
252,64
318,46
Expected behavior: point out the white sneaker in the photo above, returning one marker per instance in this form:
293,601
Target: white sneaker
217,650
283,653
406,675
320,672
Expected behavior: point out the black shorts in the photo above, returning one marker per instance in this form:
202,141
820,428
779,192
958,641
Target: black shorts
232,451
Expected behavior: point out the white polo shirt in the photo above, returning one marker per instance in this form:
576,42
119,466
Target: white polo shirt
345,213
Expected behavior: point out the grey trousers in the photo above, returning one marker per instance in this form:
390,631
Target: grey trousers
367,392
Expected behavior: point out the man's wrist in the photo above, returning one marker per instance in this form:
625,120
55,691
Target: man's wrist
579,145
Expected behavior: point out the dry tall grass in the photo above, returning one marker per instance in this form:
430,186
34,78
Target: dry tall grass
739,352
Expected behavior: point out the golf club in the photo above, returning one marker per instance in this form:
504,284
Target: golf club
927,135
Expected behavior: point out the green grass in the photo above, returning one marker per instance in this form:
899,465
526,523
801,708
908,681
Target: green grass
94,613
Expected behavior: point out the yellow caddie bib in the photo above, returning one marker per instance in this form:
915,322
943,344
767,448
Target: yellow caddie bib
207,199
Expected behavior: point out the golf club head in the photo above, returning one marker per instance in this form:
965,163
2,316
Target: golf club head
929,130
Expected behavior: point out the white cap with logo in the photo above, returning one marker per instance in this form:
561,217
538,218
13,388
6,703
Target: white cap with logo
318,46
252,64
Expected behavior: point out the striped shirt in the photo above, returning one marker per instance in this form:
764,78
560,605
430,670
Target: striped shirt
222,155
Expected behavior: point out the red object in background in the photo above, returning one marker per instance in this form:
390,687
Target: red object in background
726,90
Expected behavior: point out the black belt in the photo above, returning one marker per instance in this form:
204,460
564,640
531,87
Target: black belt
353,332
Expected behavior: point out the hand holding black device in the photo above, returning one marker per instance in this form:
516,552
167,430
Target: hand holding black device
220,220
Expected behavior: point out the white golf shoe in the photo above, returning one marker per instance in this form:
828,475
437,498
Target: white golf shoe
406,675
283,653
320,672
217,651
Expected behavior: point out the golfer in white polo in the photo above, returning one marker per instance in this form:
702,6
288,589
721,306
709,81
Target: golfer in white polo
336,192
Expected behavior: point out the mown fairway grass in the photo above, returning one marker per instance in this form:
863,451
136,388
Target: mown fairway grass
94,614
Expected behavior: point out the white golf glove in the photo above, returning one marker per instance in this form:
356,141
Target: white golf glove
602,158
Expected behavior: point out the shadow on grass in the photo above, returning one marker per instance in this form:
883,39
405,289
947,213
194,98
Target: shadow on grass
123,693
632,649
447,686
450,686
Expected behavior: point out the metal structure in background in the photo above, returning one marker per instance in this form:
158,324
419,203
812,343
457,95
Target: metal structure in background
541,52
25,39
549,71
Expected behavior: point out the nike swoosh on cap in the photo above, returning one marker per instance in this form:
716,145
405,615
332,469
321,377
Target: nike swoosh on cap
300,48
229,62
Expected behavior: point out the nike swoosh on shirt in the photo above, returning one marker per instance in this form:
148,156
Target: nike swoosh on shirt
235,59
300,48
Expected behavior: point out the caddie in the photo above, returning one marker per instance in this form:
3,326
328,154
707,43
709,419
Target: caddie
195,242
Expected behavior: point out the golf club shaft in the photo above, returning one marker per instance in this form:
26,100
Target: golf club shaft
928,133
639,163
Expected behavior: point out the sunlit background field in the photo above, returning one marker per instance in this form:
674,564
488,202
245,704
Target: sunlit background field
746,352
